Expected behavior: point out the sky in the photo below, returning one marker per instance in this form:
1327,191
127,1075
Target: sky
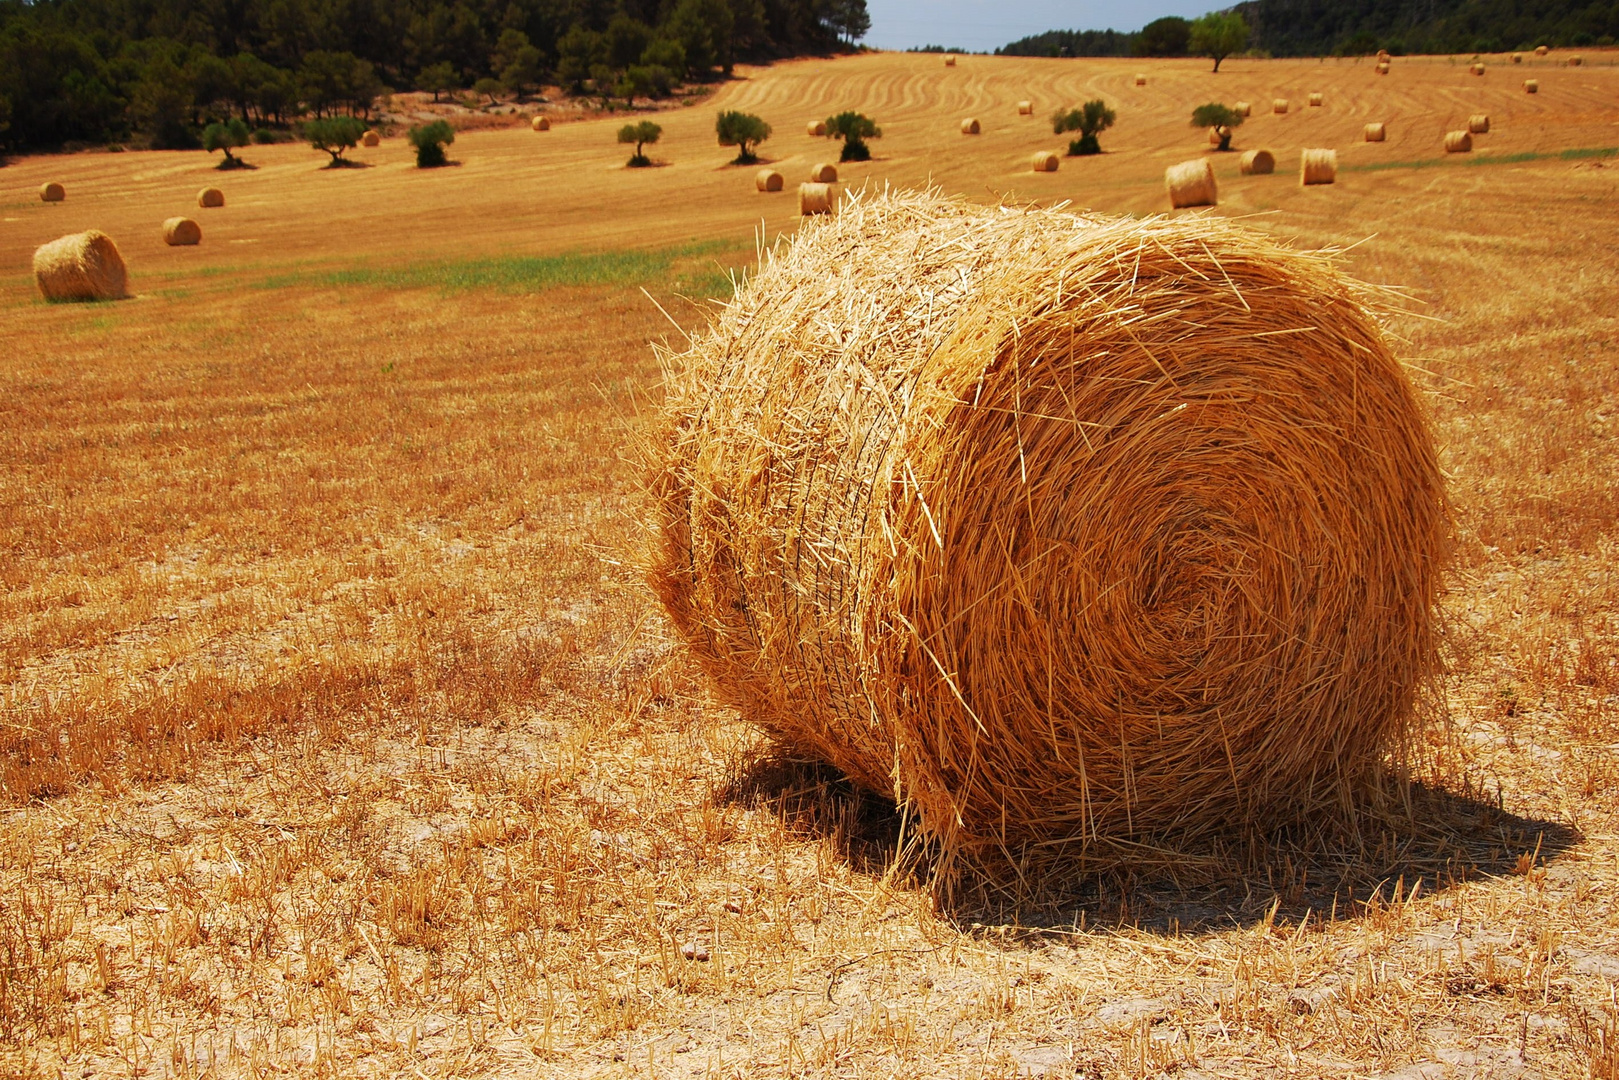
983,25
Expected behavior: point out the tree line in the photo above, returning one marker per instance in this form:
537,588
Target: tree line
159,71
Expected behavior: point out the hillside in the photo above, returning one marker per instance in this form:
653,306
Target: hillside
1326,27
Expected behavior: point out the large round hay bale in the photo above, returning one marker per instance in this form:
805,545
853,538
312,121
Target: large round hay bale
817,128
1244,108
817,199
1575,61
1257,163
1191,183
1458,142
1541,50
1318,166
1088,540
1279,106
768,180
210,197
970,126
1531,86
1317,100
51,191
371,138
1045,161
1479,124
1374,132
540,123
181,232
1025,108
1141,80
824,173
82,266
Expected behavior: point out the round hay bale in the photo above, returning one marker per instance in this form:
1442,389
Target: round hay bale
1531,86
1458,142
51,191
950,61
540,123
1476,69
1025,108
1517,58
1383,68
82,266
1374,132
1575,61
1046,161
817,199
1244,108
1541,50
1022,519
210,197
1257,163
1279,106
1191,183
1318,167
181,232
1316,101
817,128
824,173
1141,80
1479,124
970,126
370,138
1218,134
768,180
1384,56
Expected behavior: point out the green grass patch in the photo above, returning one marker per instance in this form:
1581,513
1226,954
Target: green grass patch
1489,159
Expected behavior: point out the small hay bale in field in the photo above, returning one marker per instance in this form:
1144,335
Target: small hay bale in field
181,232
1384,56
1374,132
768,180
1045,161
1476,69
1458,142
1279,106
1318,167
1191,183
824,173
1217,135
1244,108
950,61
82,266
1257,163
1019,517
51,191
1479,124
210,197
1531,86
817,128
1541,50
1517,58
970,126
371,138
540,123
817,199
1575,61
1141,80
1316,101
1025,108
1383,68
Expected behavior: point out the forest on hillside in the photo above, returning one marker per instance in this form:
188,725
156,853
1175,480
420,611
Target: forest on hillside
154,72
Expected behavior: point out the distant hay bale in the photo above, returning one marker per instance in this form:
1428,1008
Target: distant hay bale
1374,132
1191,183
817,199
1517,58
82,266
1479,124
1217,135
371,138
1541,50
1318,166
1316,101
51,191
540,123
969,126
1383,56
1141,80
1244,108
210,197
1458,142
1476,69
1257,163
768,180
181,232
1383,68
1025,108
1093,541
1575,61
1531,86
950,61
1279,106
817,128
824,173
1045,161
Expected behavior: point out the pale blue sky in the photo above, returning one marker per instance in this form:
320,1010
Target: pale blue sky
982,25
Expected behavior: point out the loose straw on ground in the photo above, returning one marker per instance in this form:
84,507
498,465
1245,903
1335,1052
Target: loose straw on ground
181,232
1317,166
210,197
1088,540
1191,183
768,180
83,266
1257,163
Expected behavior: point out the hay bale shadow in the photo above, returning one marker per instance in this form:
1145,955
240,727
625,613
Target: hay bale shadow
816,801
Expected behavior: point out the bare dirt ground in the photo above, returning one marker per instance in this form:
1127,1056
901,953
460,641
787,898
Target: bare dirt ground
341,738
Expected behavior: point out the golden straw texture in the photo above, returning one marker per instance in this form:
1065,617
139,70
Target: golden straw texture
1316,100
768,180
1141,80
970,126
51,191
83,266
1257,163
824,173
1279,106
817,128
817,199
1477,69
540,123
1541,50
181,232
1318,167
1458,142
1244,108
1531,86
210,197
1191,183
371,138
1383,68
1045,161
1517,58
1374,132
1082,538
1479,124
950,61
1025,108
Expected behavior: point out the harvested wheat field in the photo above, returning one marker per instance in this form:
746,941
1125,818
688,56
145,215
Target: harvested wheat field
345,736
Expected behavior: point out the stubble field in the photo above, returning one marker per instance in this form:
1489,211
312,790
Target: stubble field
341,737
